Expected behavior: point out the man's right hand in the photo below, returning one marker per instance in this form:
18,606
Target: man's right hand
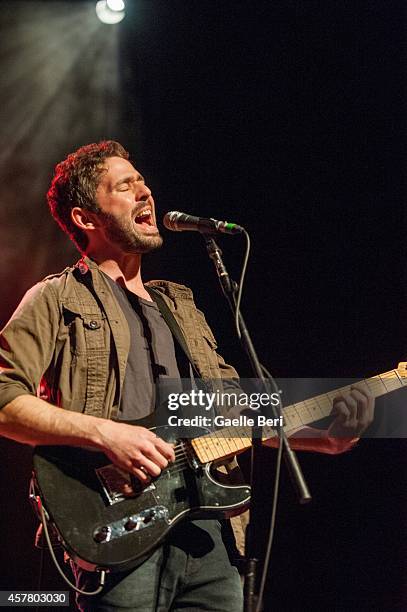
135,449
138,450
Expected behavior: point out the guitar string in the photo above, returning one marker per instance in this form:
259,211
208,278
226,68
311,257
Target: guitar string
178,461
180,468
182,455
185,454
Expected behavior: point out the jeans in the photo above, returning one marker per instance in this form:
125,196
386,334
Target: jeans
190,571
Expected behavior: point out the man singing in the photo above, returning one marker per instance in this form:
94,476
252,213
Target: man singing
95,341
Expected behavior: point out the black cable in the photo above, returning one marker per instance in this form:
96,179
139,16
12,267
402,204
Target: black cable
271,532
55,560
240,285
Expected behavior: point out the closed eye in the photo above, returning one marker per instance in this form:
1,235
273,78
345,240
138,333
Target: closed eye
125,183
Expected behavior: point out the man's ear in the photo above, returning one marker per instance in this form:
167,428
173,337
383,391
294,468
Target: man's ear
85,219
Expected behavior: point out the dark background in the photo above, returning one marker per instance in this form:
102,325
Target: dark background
288,118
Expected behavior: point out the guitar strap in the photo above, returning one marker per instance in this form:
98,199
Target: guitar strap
175,330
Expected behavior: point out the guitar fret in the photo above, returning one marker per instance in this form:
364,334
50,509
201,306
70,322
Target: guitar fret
376,386
202,450
211,444
364,383
286,415
311,409
390,381
325,405
333,394
399,378
229,441
289,416
240,443
298,418
244,443
306,412
319,413
308,417
221,444
214,445
314,408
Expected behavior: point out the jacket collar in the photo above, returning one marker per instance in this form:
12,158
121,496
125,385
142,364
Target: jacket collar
171,290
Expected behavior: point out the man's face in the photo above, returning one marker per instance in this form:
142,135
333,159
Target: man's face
127,208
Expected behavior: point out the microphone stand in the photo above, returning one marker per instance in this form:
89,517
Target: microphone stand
229,288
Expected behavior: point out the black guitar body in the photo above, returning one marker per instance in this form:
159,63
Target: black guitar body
107,520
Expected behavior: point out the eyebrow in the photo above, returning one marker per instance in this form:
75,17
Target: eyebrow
129,179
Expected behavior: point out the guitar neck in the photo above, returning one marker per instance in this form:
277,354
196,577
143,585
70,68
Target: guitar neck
230,441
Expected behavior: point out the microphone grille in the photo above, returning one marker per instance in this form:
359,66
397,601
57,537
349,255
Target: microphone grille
170,220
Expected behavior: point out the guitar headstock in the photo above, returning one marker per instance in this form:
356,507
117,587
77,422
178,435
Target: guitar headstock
402,370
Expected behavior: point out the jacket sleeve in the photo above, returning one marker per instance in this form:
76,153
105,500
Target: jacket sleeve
27,343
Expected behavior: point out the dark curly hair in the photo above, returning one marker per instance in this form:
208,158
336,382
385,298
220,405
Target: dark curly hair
75,182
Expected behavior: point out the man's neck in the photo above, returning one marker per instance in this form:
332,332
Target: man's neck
124,270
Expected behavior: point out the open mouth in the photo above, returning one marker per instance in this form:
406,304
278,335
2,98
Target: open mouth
144,216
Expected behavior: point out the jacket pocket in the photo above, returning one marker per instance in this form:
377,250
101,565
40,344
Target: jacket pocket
88,339
88,332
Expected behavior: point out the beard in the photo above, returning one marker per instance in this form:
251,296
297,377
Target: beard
123,232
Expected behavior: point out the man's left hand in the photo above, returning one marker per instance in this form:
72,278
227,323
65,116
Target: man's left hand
353,412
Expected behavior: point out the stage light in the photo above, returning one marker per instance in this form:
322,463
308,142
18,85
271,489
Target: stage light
107,15
115,5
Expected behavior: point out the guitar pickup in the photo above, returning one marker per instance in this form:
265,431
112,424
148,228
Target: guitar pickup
118,485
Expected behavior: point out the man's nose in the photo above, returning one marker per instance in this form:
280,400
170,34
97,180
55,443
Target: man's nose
142,192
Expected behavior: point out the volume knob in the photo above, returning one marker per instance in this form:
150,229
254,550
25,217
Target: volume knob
130,524
101,534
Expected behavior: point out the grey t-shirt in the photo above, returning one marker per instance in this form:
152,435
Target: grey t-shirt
152,367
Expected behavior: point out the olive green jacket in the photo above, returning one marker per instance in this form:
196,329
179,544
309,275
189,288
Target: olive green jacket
69,341
70,334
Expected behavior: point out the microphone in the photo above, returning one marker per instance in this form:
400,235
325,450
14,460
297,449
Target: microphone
181,222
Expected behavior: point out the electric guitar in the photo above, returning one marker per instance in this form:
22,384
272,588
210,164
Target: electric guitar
107,520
